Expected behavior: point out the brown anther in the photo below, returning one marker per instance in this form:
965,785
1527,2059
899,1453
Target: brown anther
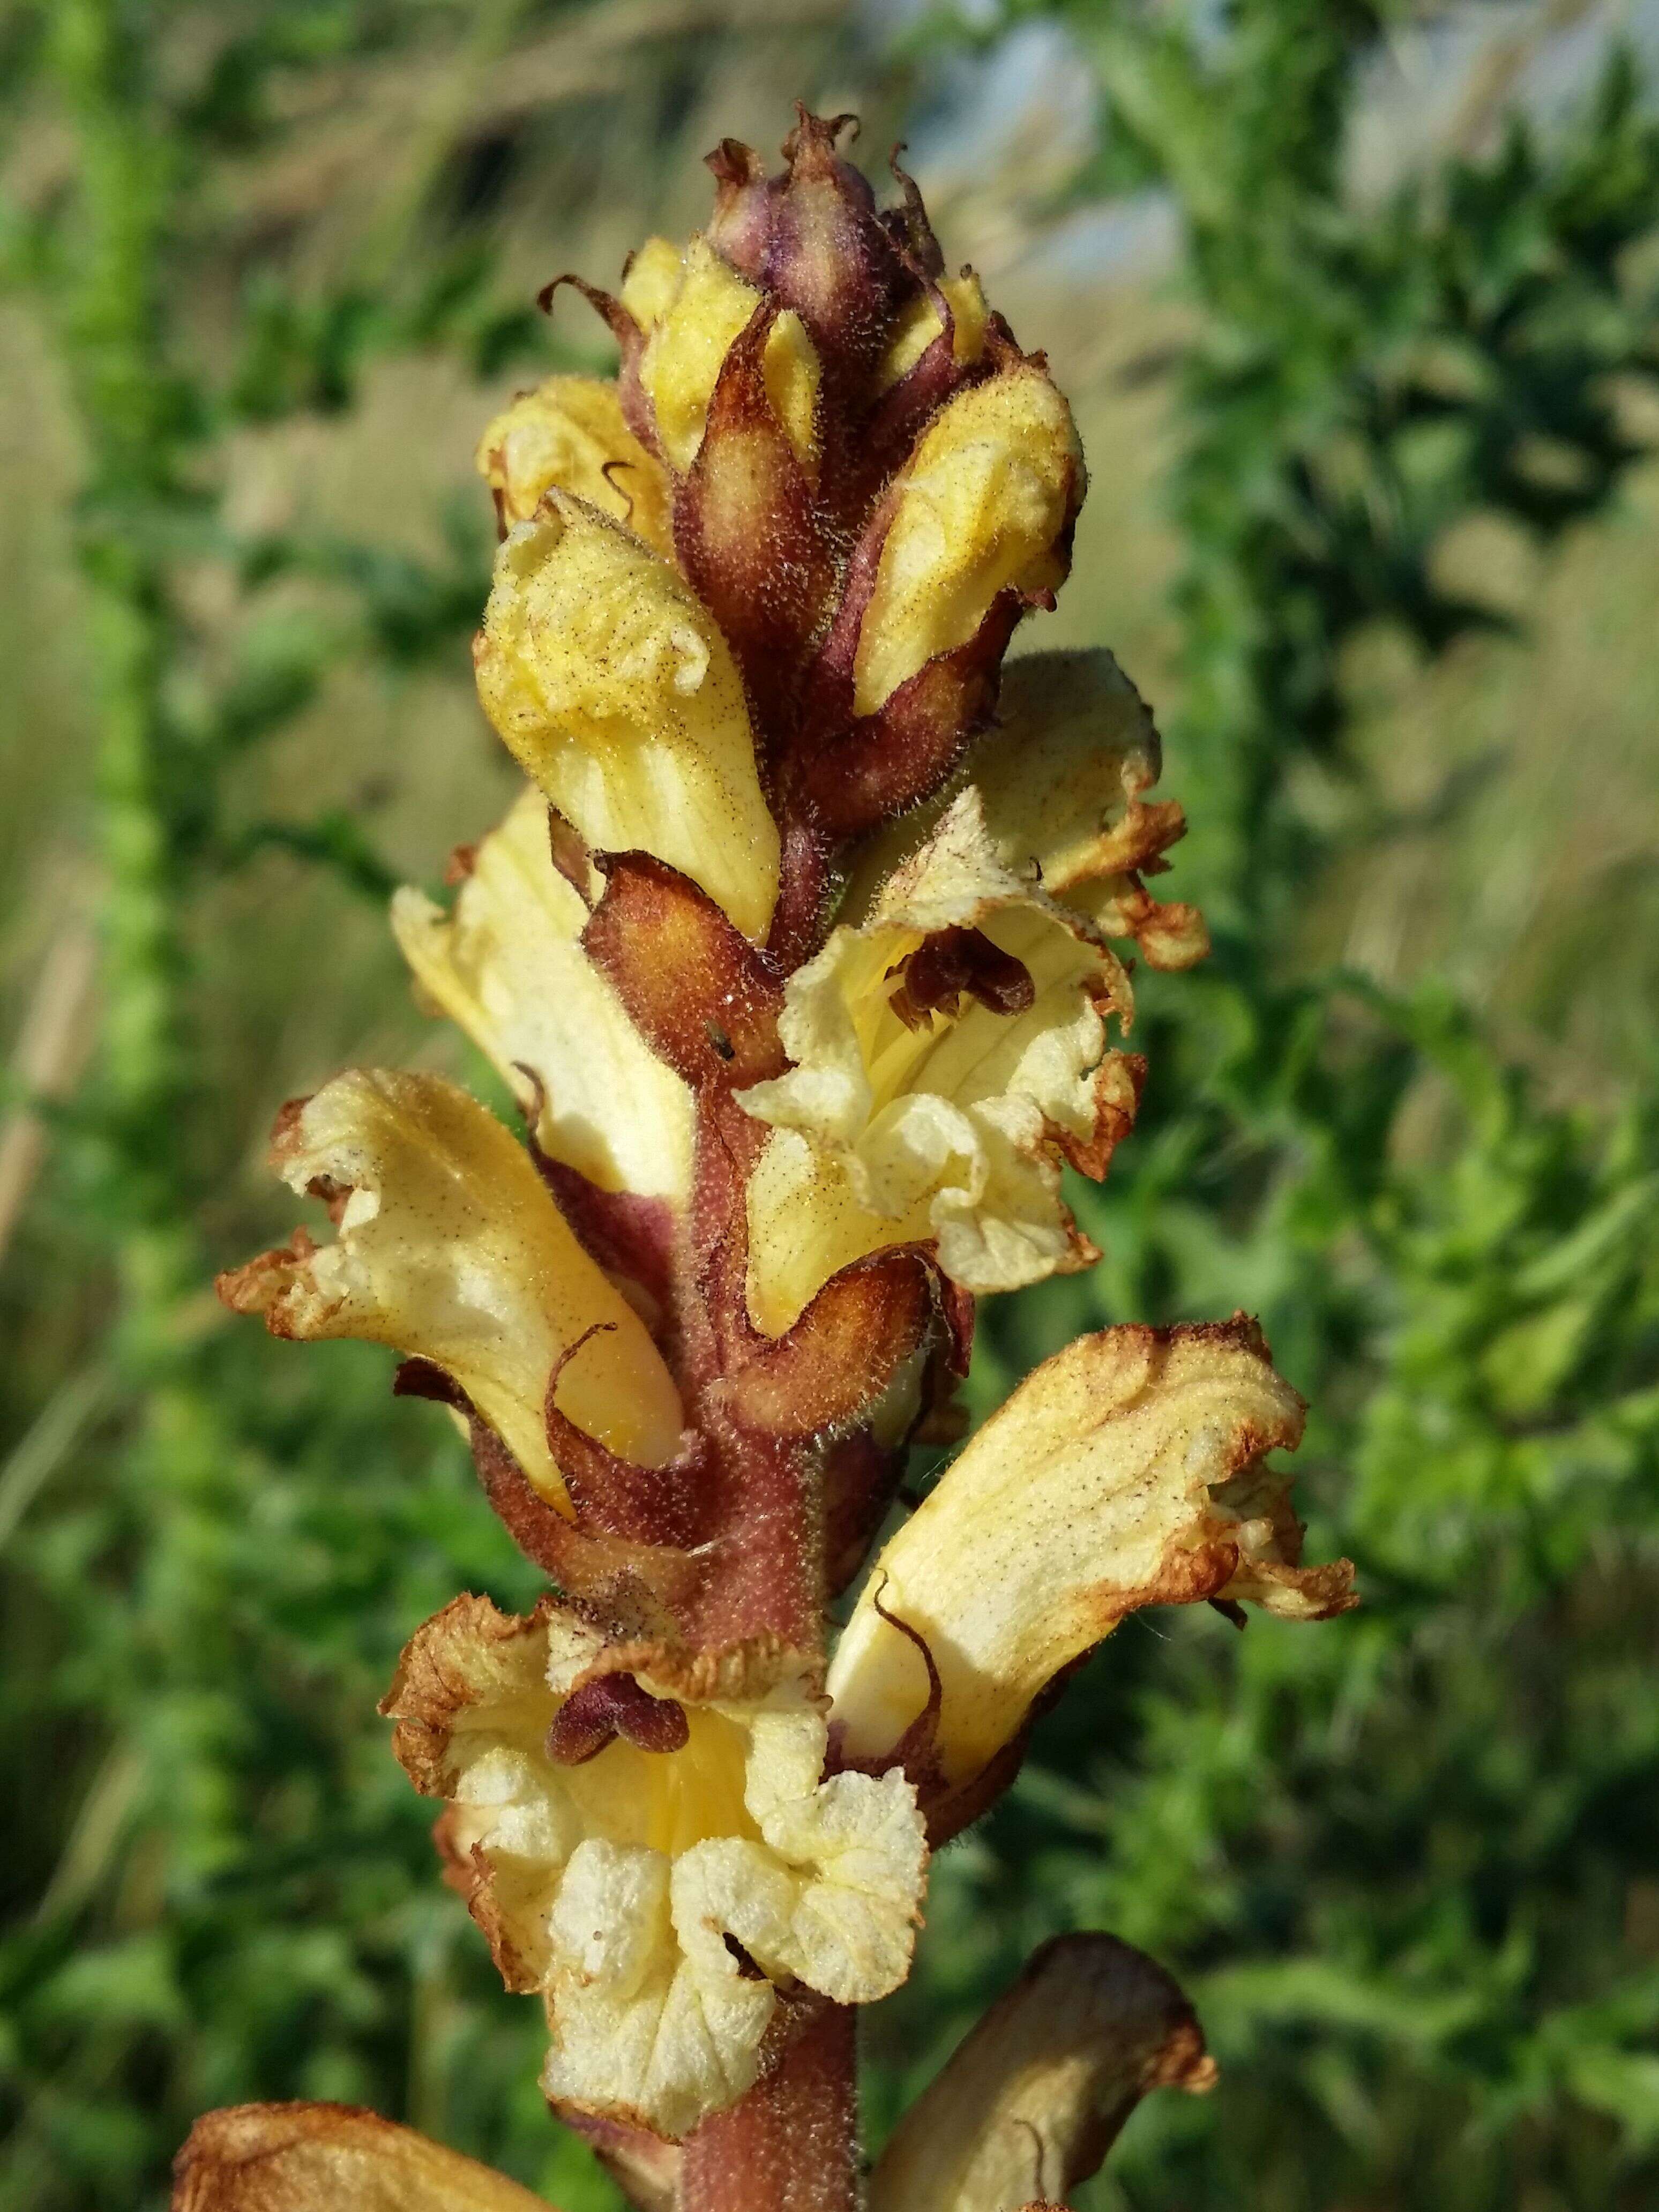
950,962
459,865
610,1706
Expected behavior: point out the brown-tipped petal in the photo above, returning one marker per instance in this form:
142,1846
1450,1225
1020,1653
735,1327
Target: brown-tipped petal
747,526
327,2158
1062,777
644,2167
449,1248
696,990
1029,2103
1127,1470
842,1352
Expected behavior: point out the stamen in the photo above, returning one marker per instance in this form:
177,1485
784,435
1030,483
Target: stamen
952,961
614,1705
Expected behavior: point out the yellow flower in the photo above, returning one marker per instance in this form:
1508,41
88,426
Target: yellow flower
798,955
506,964
612,686
1127,1470
449,1248
1061,778
950,1048
949,1128
983,506
650,1843
569,435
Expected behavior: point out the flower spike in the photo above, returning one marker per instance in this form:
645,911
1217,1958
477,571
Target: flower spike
804,953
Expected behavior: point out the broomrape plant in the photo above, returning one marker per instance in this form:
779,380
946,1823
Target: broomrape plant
803,953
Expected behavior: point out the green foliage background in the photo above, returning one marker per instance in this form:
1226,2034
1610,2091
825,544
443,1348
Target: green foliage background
1370,488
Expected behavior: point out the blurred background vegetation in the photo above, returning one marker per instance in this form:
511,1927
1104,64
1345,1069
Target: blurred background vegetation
1359,308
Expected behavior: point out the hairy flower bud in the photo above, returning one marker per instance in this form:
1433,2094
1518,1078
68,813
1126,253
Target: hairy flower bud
618,694
985,505
814,238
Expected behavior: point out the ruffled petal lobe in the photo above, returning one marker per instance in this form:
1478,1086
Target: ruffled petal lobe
570,434
1127,1470
449,1248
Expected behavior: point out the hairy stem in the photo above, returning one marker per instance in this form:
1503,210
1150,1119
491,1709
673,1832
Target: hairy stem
791,2145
